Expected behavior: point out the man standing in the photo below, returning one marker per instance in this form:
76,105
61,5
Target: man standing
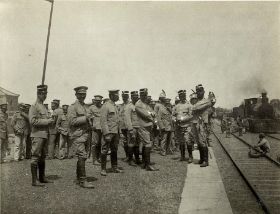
146,119
54,135
40,122
183,114
28,132
3,129
62,126
80,126
132,124
20,126
96,129
110,126
201,111
121,108
164,117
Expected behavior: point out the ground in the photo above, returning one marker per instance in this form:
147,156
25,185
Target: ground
134,191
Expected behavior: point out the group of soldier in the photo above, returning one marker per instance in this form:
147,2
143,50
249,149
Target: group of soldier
96,130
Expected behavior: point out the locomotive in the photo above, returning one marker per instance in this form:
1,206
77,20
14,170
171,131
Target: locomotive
261,115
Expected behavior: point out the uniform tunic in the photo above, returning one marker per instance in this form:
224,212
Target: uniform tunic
132,124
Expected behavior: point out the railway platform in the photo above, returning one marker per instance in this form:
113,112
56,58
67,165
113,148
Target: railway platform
204,190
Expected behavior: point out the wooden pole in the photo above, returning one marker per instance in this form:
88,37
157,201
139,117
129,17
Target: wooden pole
47,45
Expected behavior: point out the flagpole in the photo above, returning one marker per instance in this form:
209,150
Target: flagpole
47,44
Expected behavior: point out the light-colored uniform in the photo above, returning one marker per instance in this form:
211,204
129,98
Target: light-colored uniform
132,124
62,126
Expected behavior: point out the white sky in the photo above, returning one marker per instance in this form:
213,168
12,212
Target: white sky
233,49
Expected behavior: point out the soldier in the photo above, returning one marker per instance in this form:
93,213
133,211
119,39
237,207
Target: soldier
40,122
20,126
132,124
239,125
109,119
62,126
183,114
28,132
164,117
54,135
228,127
201,111
79,133
146,119
161,102
155,136
96,129
193,101
121,108
47,107
3,129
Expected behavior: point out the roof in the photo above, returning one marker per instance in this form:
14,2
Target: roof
3,91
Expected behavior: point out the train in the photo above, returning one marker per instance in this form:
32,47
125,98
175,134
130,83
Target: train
262,116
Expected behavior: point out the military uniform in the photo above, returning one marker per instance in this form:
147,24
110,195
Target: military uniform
62,126
145,118
39,121
165,123
54,134
3,133
96,131
123,128
27,133
79,133
20,126
132,124
201,120
183,115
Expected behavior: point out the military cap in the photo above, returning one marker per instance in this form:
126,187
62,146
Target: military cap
98,97
105,100
56,101
42,88
193,96
182,92
261,135
125,92
162,94
21,105
167,100
65,106
114,91
134,93
143,91
27,105
149,96
81,89
199,87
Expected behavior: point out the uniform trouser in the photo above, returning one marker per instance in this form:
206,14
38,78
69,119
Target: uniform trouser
64,146
145,136
53,145
3,147
28,146
96,144
200,134
165,141
124,141
80,145
20,146
39,149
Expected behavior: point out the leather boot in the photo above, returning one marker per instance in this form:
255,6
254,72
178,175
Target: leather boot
42,177
190,154
200,149
148,160
114,162
205,157
126,153
78,174
136,155
103,164
144,157
83,179
94,156
130,156
34,168
183,150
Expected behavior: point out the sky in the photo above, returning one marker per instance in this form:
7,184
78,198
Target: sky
232,48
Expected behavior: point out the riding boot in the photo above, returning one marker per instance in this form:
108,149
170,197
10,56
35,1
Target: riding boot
83,179
94,156
103,164
34,168
148,160
182,150
42,177
126,152
200,149
130,156
190,154
136,155
144,157
114,162
205,157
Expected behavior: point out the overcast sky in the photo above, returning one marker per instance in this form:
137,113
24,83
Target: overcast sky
233,49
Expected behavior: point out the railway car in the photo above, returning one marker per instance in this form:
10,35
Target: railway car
260,114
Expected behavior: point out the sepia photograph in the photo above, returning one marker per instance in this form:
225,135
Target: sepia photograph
139,107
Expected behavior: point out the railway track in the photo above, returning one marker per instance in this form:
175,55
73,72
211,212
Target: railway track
274,137
262,175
